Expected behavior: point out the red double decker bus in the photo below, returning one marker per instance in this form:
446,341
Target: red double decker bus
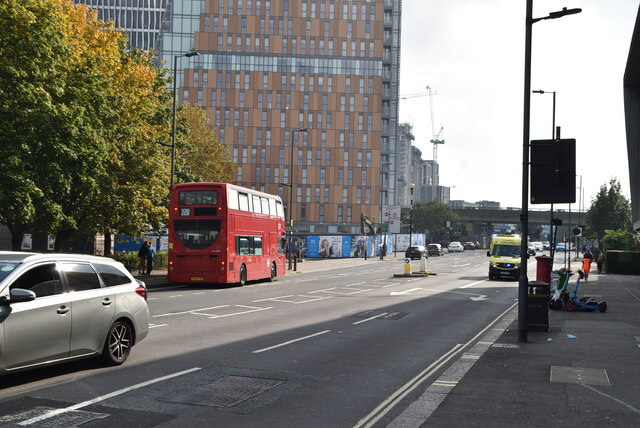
222,233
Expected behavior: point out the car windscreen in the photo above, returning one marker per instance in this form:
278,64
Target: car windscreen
500,250
6,268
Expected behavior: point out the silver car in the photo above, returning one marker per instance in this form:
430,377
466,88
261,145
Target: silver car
59,307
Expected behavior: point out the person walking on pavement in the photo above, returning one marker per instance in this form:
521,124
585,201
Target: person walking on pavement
586,265
600,261
150,254
142,258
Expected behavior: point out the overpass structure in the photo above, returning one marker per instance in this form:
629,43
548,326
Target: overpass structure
482,222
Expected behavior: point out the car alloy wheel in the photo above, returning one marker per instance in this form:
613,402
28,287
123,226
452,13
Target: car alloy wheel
118,344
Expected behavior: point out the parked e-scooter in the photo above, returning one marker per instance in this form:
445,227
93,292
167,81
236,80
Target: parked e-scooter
584,303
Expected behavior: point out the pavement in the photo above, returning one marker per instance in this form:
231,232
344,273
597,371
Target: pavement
583,372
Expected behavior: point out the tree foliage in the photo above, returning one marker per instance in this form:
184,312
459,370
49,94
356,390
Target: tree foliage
80,116
431,217
620,240
201,156
609,210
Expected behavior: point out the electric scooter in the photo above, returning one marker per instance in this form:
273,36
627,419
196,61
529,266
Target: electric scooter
572,303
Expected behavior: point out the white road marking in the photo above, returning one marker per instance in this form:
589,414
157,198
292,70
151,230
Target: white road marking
104,397
157,325
371,318
474,283
329,290
400,293
250,310
379,412
188,312
290,342
288,299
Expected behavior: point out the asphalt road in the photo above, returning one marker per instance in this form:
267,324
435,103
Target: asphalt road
341,348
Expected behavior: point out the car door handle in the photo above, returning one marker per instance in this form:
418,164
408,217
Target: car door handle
107,302
63,310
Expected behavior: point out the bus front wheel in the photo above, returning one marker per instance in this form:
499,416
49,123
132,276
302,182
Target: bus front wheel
243,275
274,272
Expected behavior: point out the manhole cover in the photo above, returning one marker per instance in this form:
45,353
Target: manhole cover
224,392
582,375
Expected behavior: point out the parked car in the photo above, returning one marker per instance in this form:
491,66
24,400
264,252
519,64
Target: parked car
546,245
538,246
469,246
416,252
61,307
435,250
455,247
561,247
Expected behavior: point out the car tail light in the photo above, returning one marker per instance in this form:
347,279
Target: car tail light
142,292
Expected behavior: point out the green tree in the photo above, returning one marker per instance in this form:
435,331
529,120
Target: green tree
609,210
80,115
431,217
201,156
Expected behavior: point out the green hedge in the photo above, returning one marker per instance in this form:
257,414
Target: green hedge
623,262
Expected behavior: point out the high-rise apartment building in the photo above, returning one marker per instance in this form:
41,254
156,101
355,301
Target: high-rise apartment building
303,92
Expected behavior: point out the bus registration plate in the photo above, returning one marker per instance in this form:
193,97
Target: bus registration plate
197,278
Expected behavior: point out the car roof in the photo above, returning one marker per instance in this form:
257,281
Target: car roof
22,257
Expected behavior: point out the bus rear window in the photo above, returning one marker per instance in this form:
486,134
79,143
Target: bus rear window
197,234
198,197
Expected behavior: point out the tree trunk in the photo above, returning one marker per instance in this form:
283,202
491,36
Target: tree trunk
17,234
107,242
61,238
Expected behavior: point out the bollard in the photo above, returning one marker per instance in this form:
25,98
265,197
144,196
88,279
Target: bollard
423,264
407,266
295,264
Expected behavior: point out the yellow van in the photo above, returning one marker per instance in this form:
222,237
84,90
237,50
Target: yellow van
505,256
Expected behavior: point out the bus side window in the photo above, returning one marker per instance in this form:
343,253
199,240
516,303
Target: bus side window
257,245
244,201
242,245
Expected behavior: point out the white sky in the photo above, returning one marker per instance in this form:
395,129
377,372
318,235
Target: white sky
471,52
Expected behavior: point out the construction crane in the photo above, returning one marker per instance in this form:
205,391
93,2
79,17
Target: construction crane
436,136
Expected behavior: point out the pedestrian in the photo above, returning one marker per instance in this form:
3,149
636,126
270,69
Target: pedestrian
586,265
142,258
150,254
600,261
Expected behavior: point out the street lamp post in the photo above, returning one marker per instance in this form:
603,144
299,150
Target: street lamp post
553,132
384,246
291,195
523,281
411,187
173,128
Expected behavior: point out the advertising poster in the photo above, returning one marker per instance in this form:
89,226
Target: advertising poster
358,245
324,246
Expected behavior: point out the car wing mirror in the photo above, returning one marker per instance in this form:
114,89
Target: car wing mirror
18,295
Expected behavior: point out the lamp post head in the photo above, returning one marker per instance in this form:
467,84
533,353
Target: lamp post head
412,186
538,92
192,53
564,12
